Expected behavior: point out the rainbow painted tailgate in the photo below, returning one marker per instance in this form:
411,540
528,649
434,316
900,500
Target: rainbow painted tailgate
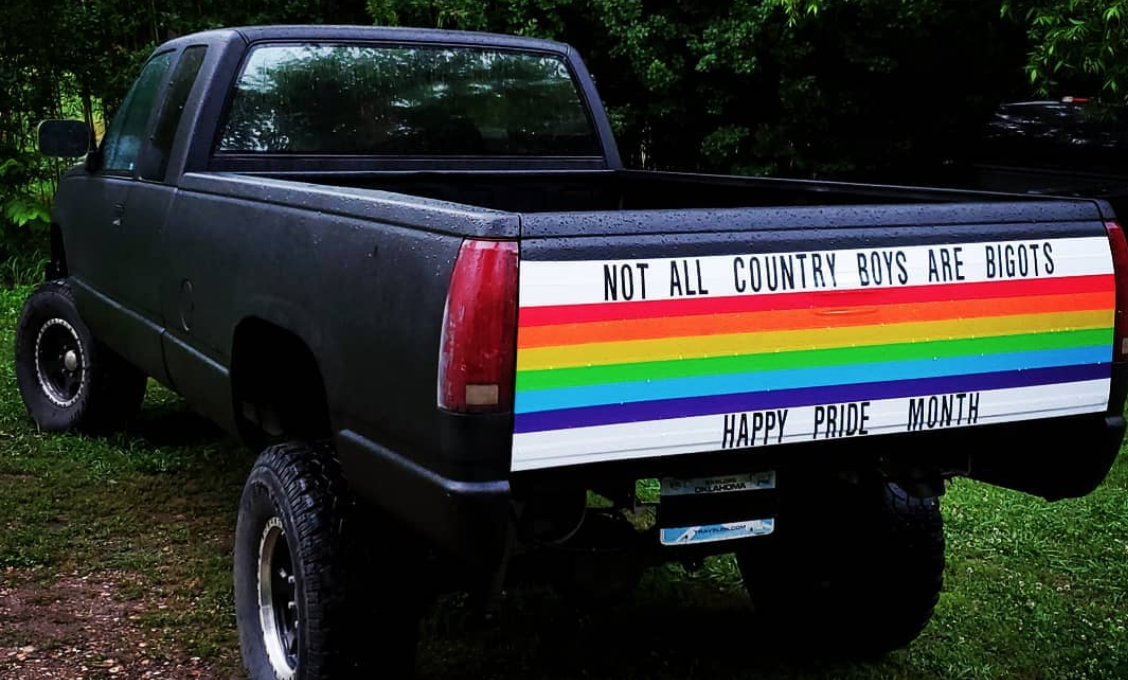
640,358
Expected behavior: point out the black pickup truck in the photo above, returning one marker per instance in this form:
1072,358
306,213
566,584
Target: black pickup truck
409,266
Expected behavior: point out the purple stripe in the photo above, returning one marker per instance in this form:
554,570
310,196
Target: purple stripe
809,396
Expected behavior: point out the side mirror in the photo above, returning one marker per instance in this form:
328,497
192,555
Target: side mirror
63,138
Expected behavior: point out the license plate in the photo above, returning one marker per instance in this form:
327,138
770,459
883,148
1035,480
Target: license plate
756,481
709,533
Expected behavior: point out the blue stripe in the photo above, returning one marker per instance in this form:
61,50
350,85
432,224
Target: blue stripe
758,401
800,378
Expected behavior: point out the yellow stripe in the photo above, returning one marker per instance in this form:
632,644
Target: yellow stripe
665,349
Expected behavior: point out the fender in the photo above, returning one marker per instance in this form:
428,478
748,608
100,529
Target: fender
299,321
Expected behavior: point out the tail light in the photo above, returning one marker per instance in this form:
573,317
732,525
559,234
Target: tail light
477,362
1120,271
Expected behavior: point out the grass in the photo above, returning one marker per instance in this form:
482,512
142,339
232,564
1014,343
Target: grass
1034,590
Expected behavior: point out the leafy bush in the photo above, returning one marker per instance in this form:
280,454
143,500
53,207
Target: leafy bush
25,214
27,204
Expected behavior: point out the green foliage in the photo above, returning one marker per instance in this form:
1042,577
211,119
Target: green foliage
1075,43
539,18
795,87
1081,43
21,211
24,205
77,59
847,88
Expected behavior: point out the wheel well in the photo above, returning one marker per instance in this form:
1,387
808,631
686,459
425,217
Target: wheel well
276,385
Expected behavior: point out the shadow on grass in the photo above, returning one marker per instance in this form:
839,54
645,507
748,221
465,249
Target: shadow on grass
698,632
173,423
676,626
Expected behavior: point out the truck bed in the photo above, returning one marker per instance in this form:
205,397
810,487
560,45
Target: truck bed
714,249
559,191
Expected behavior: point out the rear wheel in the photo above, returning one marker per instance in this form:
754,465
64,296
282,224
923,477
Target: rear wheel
311,600
856,570
69,380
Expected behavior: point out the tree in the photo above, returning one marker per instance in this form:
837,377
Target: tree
844,88
1083,42
1071,42
777,86
77,59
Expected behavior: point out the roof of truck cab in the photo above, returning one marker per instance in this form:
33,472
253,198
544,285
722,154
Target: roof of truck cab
321,33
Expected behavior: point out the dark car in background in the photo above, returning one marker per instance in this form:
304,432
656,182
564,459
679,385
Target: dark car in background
1074,146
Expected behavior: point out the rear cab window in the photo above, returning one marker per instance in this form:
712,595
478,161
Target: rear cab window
363,100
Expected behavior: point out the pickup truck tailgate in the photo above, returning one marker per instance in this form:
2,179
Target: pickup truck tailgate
641,345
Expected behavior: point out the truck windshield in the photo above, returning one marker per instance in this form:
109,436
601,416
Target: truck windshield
420,100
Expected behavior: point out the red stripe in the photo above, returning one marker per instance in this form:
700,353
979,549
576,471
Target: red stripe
614,311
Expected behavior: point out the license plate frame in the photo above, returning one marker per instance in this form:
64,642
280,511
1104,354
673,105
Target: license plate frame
714,533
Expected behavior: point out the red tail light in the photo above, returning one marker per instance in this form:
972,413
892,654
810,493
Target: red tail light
477,362
1120,271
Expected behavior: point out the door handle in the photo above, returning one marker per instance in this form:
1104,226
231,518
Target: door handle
117,214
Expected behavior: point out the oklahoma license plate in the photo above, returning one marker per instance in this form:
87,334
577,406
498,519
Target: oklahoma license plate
672,486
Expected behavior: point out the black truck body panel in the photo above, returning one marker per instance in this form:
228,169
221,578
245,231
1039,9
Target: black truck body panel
352,256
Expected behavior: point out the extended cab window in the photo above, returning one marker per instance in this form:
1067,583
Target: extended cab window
354,99
126,135
156,159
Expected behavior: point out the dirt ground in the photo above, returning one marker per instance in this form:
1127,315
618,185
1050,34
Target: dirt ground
83,627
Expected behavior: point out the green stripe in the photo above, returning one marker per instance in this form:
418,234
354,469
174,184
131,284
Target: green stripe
750,363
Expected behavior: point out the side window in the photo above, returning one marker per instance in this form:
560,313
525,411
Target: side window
127,131
160,146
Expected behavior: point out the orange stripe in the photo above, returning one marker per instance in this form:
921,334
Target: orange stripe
805,319
551,315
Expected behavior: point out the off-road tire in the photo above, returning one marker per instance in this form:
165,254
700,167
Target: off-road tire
854,570
102,393
357,616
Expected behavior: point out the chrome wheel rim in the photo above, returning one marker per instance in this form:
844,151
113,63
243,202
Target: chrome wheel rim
60,364
277,600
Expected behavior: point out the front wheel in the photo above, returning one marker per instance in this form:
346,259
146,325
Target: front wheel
69,380
854,570
311,602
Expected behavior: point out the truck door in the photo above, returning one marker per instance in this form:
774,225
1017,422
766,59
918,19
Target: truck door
111,255
138,195
147,206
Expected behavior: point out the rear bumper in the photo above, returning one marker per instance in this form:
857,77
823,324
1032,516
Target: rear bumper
469,520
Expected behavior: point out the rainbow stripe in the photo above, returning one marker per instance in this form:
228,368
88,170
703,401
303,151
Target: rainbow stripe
645,365
595,364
